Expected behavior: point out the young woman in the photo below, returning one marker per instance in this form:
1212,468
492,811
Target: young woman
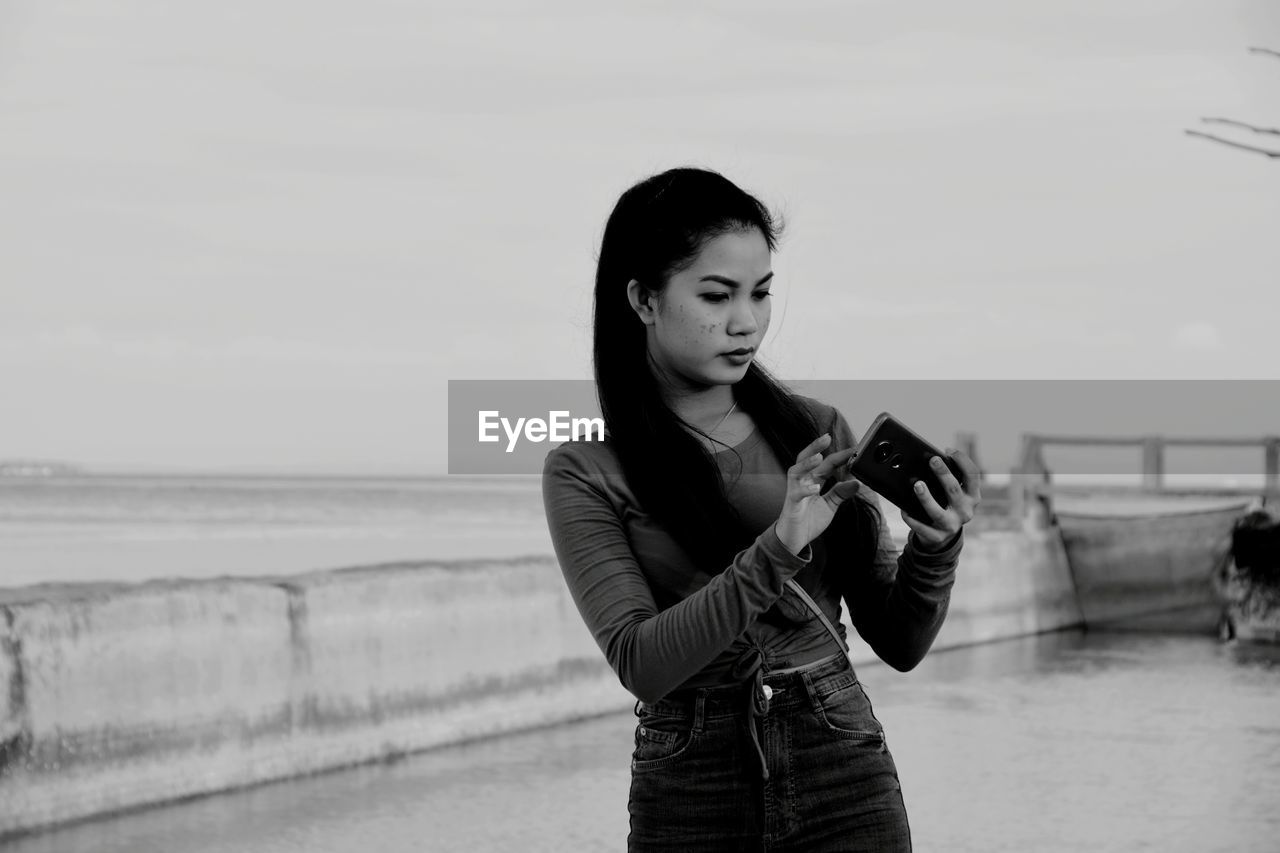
709,540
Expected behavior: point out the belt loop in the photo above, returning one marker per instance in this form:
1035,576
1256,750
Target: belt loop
699,710
810,691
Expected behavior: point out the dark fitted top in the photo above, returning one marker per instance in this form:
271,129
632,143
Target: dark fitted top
664,623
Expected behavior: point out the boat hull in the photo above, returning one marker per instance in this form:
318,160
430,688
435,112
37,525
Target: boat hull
1127,566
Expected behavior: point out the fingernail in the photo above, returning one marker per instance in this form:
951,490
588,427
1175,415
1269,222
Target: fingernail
919,486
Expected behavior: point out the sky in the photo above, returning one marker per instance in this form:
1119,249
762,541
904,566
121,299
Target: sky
263,236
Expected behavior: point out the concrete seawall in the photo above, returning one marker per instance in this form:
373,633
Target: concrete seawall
119,696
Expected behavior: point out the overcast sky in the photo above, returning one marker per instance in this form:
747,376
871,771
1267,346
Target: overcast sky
264,235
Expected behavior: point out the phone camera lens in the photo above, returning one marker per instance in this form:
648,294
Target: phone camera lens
883,450
895,461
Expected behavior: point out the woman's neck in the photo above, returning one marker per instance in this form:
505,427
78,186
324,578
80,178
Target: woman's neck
704,409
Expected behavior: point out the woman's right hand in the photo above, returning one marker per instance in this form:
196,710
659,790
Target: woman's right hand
805,512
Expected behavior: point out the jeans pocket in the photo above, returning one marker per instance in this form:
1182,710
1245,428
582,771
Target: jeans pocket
661,740
846,711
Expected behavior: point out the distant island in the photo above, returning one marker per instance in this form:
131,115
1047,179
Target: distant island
38,468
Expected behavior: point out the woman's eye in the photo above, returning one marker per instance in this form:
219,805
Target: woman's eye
724,297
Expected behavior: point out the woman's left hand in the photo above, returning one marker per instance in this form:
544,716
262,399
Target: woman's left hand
943,524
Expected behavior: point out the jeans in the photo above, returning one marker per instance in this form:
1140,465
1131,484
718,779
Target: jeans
696,780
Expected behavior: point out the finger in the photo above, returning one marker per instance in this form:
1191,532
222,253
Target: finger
799,491
935,512
804,464
972,474
809,465
841,492
819,468
833,461
926,535
800,483
948,480
814,446
921,529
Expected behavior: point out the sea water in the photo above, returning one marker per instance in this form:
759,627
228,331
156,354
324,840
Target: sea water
120,528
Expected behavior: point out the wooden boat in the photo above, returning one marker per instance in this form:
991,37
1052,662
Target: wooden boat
1134,564
1248,585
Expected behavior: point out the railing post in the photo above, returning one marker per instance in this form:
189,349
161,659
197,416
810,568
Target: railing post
1272,476
1152,463
1029,475
968,443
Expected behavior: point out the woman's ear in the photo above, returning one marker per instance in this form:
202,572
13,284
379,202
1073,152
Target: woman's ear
643,301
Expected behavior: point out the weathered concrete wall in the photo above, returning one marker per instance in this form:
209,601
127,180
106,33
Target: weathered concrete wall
139,696
130,695
1009,584
145,694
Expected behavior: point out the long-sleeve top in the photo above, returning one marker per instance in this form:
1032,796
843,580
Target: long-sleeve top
664,623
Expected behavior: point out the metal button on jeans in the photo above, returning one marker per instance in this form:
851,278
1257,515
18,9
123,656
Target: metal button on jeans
768,692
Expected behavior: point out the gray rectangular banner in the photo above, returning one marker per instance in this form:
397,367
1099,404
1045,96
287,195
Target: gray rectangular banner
509,426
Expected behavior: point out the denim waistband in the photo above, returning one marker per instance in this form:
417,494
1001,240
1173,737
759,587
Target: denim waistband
729,695
752,696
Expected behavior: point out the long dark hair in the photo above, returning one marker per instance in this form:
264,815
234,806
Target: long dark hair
656,229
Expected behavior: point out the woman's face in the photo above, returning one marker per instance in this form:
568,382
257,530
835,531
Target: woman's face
717,305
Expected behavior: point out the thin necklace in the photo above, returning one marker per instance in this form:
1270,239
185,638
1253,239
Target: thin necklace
725,418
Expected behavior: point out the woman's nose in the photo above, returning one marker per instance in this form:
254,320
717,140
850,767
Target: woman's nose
743,320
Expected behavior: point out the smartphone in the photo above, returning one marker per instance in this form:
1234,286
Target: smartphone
890,458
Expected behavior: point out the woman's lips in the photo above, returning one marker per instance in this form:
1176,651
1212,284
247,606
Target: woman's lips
739,357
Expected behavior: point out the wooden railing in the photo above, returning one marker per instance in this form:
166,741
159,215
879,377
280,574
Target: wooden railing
1033,478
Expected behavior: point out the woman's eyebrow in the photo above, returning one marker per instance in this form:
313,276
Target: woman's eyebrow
723,280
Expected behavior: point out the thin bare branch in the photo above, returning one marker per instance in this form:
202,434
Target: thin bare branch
1275,131
1252,148
1265,50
